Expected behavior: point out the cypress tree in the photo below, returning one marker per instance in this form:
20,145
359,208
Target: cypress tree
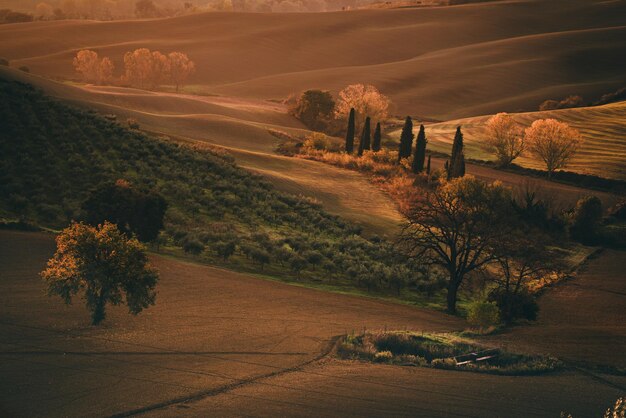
420,151
406,139
365,137
350,133
456,167
428,166
377,138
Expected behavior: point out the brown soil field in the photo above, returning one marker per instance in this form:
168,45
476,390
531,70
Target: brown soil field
441,62
582,320
226,344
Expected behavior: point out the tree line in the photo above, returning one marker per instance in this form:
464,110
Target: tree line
143,68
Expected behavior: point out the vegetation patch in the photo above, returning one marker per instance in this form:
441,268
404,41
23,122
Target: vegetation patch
55,158
441,351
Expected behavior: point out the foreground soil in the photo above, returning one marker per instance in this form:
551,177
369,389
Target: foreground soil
582,320
220,343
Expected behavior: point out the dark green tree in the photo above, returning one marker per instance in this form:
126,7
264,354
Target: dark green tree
365,137
377,138
456,164
585,219
428,166
420,151
314,108
406,139
350,133
134,211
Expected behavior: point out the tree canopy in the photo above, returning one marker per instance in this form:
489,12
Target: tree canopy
103,264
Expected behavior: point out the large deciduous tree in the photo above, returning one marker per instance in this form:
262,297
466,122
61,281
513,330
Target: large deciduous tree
366,101
92,68
105,265
456,226
504,138
554,142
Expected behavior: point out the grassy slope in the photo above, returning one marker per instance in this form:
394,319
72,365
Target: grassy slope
603,152
237,124
443,62
52,155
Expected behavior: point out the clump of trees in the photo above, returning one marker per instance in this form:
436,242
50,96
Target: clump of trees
142,68
135,212
566,103
11,16
104,265
92,68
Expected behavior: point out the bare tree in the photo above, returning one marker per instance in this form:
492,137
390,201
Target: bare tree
456,226
554,142
504,138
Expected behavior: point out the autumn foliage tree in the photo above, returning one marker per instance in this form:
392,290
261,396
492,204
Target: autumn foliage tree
366,101
181,67
92,68
504,138
554,142
103,264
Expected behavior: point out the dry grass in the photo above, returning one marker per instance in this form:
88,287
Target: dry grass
603,151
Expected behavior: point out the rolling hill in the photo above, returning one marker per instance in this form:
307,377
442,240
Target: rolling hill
603,151
440,62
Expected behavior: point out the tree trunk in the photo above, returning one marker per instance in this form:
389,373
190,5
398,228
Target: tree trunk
453,287
98,312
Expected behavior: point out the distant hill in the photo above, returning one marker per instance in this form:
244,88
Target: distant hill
439,62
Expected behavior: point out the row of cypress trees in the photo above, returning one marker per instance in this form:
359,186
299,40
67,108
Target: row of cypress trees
455,166
365,143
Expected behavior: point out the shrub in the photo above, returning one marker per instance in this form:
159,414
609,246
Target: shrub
514,306
585,219
132,123
193,246
4,61
383,357
483,314
25,69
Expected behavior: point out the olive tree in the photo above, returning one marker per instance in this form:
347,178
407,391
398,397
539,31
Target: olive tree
103,264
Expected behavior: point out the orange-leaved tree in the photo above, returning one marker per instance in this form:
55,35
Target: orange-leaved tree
105,265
